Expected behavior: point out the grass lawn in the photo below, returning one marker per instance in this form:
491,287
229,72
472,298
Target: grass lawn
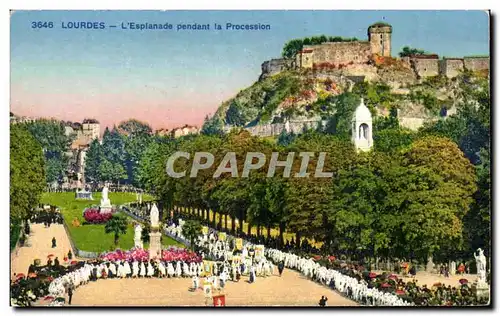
92,237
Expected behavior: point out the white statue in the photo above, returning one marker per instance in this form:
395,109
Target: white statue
154,216
481,266
105,193
138,236
105,202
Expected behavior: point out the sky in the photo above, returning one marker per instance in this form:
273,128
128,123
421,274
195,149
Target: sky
169,78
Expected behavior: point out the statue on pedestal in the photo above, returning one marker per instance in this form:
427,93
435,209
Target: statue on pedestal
154,216
481,266
138,236
154,235
105,202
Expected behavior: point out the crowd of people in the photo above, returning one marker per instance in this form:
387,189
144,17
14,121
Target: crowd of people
47,217
352,280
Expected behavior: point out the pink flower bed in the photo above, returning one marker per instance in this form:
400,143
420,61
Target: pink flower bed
138,254
93,216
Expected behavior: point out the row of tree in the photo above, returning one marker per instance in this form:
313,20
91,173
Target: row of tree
116,158
27,177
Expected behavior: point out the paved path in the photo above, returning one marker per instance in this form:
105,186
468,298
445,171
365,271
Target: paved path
289,290
39,247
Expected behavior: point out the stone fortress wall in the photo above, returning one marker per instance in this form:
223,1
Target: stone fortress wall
275,129
360,53
340,53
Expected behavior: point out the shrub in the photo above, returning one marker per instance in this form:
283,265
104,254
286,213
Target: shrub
93,216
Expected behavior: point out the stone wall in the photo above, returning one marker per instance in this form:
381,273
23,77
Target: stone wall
451,67
477,63
266,130
336,53
274,66
425,67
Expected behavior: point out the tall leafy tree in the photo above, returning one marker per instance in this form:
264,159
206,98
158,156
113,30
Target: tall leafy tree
51,136
93,161
191,230
117,225
27,172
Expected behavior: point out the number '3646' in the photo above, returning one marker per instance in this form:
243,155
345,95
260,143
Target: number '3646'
42,25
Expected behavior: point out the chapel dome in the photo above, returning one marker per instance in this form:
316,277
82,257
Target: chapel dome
362,113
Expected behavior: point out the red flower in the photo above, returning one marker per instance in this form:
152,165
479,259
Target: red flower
372,275
400,292
93,216
386,285
463,281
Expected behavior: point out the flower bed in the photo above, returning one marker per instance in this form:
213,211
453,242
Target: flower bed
93,216
138,254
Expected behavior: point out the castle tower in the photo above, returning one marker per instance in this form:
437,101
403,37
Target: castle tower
379,35
362,135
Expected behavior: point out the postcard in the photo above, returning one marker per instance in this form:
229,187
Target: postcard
250,158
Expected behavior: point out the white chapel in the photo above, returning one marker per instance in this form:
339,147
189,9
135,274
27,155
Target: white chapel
362,128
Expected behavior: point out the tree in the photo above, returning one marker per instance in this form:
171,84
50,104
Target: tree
340,123
477,222
93,161
51,136
212,126
117,225
133,127
439,184
407,51
191,230
27,172
307,199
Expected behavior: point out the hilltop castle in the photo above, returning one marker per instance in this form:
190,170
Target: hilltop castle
357,54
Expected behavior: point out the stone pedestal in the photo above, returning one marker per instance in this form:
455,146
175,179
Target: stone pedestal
430,265
154,244
106,206
482,290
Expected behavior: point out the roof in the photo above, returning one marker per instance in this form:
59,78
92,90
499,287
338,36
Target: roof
362,113
80,142
90,121
380,24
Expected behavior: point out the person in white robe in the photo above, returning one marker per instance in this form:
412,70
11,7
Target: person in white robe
143,270
178,270
200,269
121,271
150,270
195,282
135,269
215,282
185,269
112,268
128,271
170,270
161,268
